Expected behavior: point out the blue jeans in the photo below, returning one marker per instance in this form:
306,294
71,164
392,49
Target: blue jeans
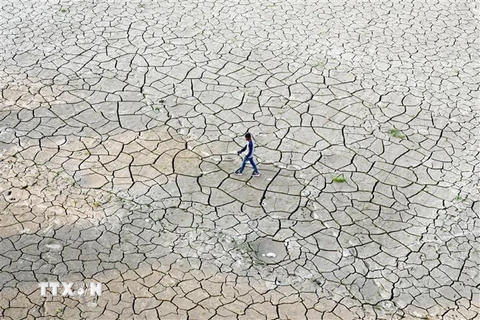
245,160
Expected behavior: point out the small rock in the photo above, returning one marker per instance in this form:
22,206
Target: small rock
306,193
54,247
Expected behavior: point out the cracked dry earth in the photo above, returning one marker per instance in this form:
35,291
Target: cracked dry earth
119,126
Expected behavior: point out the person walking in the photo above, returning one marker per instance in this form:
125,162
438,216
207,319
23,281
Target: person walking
248,157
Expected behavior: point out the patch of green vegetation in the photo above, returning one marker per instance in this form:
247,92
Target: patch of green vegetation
63,10
96,204
58,311
458,198
368,104
244,247
339,179
257,262
394,132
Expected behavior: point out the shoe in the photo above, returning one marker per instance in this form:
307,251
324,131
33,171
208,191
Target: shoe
256,174
238,173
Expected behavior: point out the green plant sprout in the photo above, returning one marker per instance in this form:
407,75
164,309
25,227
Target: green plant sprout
396,133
